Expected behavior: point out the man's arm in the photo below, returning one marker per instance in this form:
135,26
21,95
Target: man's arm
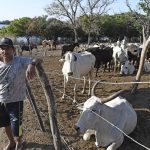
30,72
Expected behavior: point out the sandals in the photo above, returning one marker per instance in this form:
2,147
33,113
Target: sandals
20,146
10,148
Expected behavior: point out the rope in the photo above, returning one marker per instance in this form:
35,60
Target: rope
104,82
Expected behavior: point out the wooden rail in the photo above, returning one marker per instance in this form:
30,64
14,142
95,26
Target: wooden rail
51,106
34,106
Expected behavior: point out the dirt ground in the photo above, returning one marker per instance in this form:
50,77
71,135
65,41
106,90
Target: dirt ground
68,114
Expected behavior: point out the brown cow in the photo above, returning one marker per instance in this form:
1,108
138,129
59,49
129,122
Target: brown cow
51,43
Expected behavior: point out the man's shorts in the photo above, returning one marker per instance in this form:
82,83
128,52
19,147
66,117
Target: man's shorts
11,114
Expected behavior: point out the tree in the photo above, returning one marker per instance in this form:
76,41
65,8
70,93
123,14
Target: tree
37,26
144,19
54,28
90,8
19,27
68,9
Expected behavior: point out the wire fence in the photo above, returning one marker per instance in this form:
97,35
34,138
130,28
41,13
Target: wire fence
67,140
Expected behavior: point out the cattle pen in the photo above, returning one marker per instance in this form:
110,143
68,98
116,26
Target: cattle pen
68,114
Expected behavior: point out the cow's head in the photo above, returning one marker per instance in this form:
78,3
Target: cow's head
69,64
88,119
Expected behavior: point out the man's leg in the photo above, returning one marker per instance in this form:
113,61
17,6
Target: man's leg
5,122
9,134
16,112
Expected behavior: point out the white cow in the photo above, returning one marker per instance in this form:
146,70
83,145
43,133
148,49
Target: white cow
127,68
95,45
119,56
118,111
147,66
78,65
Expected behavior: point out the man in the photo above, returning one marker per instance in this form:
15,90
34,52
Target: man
13,72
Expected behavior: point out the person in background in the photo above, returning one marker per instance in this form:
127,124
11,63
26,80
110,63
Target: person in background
14,70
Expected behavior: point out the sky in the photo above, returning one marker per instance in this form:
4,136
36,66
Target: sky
15,9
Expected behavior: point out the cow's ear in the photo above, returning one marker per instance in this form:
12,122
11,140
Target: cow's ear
75,58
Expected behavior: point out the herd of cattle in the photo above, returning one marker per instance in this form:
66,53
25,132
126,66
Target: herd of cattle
122,56
82,63
110,118
95,111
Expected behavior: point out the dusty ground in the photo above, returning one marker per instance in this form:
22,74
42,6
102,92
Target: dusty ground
68,114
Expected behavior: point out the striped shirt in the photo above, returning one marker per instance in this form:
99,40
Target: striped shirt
12,79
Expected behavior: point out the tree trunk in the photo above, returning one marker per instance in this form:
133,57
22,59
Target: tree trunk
89,38
75,35
146,46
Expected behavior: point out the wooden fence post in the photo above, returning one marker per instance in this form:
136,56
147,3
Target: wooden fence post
33,105
51,106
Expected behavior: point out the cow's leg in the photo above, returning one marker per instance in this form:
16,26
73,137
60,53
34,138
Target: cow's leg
115,65
98,138
51,46
90,77
116,143
105,67
84,85
30,52
97,71
75,93
45,51
21,52
75,89
119,66
64,93
87,134
109,66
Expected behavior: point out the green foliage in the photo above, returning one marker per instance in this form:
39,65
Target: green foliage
113,26
7,22
145,6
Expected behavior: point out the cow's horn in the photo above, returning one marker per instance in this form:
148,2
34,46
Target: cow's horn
93,88
109,98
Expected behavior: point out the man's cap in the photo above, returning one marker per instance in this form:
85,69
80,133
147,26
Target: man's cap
6,41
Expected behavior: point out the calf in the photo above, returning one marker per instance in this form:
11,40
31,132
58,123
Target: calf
51,43
119,57
127,68
77,65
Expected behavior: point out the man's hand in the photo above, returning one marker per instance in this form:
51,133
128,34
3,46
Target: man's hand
30,72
